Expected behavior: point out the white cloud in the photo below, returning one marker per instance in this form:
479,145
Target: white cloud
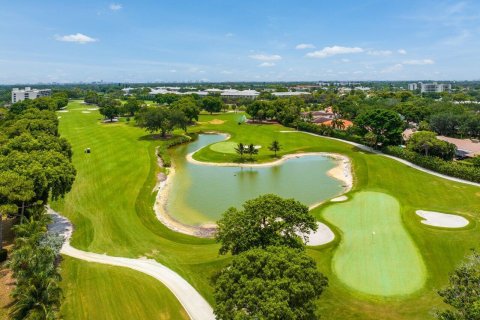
229,35
303,46
78,38
266,64
173,70
402,51
345,60
266,57
226,72
419,62
115,6
382,53
392,69
331,51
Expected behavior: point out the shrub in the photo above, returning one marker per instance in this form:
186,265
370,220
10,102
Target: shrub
449,168
162,150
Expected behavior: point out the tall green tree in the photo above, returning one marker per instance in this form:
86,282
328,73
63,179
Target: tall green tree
240,149
275,147
251,150
463,292
271,283
387,125
212,104
265,221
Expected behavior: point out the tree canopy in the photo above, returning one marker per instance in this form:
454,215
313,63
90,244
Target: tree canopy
264,221
269,283
387,125
463,292
426,142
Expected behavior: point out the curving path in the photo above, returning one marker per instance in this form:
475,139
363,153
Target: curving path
195,305
368,149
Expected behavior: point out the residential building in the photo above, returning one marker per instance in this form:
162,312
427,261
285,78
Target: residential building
412,86
29,94
290,93
434,87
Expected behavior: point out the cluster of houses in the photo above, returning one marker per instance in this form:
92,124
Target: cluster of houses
327,118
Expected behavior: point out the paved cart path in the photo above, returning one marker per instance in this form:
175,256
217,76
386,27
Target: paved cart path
195,305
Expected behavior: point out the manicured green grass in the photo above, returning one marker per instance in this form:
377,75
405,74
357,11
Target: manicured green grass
224,147
111,207
376,254
96,291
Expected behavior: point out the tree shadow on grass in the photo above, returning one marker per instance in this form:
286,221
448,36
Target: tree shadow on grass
154,137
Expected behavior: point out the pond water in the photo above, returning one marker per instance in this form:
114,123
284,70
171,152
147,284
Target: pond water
200,194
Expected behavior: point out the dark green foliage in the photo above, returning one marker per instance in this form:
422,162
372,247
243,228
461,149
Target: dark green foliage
426,142
463,292
265,221
162,150
271,283
450,168
240,149
37,294
212,104
385,124
275,147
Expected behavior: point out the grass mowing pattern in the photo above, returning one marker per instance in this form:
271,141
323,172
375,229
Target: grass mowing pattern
376,255
111,291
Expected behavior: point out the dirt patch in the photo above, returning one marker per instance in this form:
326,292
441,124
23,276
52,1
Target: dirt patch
7,284
216,121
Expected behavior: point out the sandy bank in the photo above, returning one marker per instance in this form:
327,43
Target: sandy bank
342,172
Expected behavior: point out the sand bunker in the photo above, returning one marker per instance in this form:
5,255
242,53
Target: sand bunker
339,199
93,109
62,111
323,235
444,220
86,112
216,121
59,117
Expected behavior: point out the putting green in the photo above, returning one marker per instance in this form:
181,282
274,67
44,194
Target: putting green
376,255
224,147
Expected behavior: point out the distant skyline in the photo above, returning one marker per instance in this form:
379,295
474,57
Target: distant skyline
214,40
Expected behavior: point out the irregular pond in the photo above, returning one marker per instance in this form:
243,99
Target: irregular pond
199,194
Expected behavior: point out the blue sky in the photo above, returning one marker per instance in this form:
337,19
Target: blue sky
213,40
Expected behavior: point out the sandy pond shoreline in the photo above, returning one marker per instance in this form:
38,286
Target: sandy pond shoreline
342,172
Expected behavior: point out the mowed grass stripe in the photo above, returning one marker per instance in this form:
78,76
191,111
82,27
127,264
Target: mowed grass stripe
115,293
376,255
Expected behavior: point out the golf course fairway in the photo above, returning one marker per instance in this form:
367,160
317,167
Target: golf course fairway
376,255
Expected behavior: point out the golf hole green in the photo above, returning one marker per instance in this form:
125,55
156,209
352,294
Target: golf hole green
376,255
224,147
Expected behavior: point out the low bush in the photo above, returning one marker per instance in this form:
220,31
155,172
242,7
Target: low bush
449,168
162,150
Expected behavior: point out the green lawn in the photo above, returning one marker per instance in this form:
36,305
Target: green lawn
111,291
376,255
111,207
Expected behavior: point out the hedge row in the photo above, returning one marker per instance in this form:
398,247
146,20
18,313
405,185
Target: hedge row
329,132
450,168
162,150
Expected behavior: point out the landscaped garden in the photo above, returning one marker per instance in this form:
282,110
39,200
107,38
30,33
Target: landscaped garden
383,264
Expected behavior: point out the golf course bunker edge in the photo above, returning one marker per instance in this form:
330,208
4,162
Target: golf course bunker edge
376,254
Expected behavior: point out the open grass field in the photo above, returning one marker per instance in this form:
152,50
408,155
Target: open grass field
376,256
111,291
111,207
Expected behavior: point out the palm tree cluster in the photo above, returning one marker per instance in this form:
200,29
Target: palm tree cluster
246,149
34,263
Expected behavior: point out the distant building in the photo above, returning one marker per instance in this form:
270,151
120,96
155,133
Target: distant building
412,86
290,93
29,94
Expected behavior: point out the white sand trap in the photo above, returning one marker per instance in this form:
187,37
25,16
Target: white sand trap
62,111
59,117
323,235
339,199
86,112
444,220
92,109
